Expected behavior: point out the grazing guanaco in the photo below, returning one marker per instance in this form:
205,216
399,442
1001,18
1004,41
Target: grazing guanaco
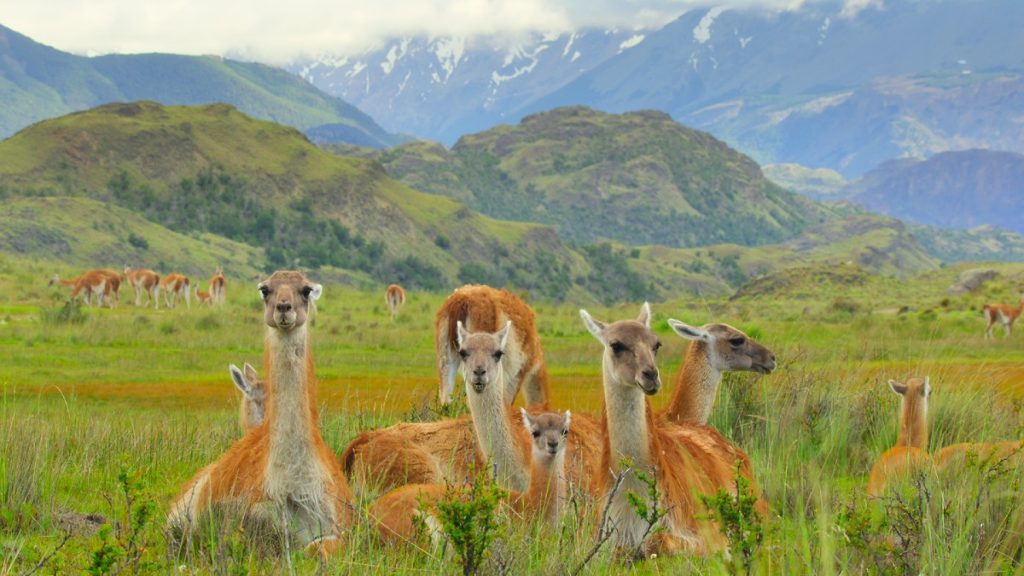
396,512
715,348
218,287
1005,314
910,454
144,282
113,292
254,396
92,283
204,297
281,470
174,286
685,460
394,297
485,309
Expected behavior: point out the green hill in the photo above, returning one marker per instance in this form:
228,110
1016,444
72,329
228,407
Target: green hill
86,233
211,169
636,178
91,187
876,244
38,82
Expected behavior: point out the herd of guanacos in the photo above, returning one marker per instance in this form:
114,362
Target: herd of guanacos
282,473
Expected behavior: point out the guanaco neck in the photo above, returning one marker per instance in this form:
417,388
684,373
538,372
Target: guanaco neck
547,492
913,423
291,412
501,447
696,386
626,417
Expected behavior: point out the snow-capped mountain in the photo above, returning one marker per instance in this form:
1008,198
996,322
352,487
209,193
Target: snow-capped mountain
823,86
827,85
442,88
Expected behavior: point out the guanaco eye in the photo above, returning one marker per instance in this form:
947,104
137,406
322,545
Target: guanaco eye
619,347
264,291
565,432
737,342
498,355
657,346
306,291
536,434
463,354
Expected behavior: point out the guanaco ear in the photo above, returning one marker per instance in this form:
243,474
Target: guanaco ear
526,420
503,335
566,420
250,372
240,382
596,327
461,333
645,315
927,387
318,291
898,388
689,332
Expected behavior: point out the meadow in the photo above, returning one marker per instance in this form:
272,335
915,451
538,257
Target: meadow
106,414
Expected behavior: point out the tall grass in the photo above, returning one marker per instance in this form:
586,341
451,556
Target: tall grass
82,400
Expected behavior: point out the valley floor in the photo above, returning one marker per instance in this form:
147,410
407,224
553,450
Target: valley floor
136,401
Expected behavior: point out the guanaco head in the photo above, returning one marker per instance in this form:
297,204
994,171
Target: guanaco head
254,394
913,411
630,348
729,349
550,432
287,299
481,354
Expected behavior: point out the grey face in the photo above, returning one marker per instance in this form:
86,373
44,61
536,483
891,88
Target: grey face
481,355
631,347
739,352
286,299
550,431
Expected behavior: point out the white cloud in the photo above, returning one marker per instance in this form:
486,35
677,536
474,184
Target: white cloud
275,31
853,7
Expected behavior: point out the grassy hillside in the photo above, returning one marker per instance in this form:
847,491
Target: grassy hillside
85,233
212,169
879,246
636,178
38,82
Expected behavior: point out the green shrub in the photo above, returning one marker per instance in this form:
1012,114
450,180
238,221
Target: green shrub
469,520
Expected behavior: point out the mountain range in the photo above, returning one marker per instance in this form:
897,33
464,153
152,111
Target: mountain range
39,82
140,178
818,86
963,189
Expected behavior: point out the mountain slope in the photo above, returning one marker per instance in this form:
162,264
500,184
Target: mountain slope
812,85
88,233
952,190
821,84
38,82
442,88
637,178
213,169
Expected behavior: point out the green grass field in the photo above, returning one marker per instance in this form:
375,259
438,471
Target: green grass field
147,392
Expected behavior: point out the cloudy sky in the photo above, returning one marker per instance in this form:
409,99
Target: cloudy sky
276,31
